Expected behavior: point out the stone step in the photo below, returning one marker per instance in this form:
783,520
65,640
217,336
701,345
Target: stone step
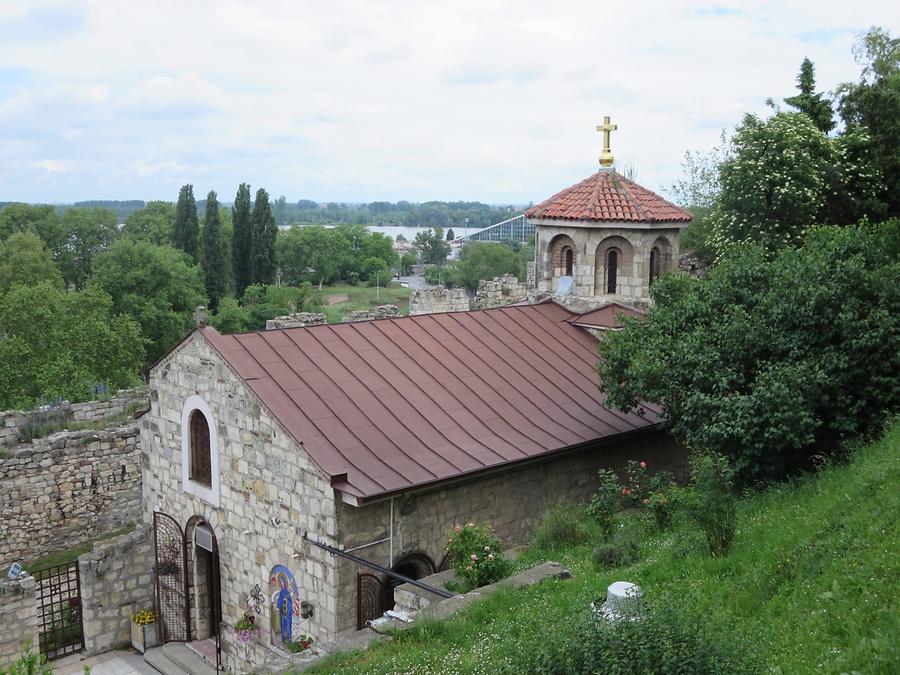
188,660
157,659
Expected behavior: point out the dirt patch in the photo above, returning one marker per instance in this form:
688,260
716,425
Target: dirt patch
336,299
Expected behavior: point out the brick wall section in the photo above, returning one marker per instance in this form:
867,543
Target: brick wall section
68,489
512,502
13,421
18,617
263,473
432,299
116,582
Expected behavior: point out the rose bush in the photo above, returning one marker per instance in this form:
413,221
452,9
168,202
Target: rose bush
476,554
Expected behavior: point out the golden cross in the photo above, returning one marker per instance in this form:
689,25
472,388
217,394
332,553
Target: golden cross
606,157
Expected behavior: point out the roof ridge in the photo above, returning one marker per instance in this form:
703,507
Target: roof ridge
632,200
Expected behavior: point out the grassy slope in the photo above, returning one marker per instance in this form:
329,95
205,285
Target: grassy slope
812,582
362,297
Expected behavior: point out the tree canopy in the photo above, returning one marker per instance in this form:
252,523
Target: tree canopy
483,260
154,223
815,105
432,247
156,285
186,228
770,359
24,259
213,253
59,344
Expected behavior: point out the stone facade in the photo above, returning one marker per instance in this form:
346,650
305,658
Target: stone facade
68,489
16,424
498,292
432,299
18,617
586,246
297,320
380,312
270,493
512,501
693,264
116,582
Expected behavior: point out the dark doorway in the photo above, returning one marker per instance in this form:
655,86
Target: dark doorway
415,566
209,561
612,270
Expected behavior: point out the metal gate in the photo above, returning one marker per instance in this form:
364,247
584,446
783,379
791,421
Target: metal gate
171,579
369,598
59,610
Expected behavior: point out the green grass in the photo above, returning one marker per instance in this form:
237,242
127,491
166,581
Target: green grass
70,554
362,297
812,584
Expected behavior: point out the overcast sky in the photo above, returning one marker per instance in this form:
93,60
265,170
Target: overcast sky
358,101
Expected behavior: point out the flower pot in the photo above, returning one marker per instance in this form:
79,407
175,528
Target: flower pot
143,637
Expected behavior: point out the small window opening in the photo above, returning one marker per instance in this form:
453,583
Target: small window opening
612,270
201,459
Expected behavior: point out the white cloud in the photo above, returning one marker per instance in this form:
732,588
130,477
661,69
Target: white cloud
349,100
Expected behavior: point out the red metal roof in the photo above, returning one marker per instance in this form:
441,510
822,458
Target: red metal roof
606,316
384,406
606,196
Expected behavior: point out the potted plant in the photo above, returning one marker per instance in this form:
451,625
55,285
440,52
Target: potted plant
143,630
246,627
301,644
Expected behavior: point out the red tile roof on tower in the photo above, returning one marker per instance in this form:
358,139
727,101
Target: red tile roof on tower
388,405
606,196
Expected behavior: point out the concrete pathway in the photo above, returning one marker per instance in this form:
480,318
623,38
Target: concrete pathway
110,663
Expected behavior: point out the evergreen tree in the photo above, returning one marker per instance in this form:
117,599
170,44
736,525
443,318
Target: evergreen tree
264,233
450,235
241,249
214,250
186,229
808,101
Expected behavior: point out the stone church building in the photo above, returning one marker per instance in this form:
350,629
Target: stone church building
375,438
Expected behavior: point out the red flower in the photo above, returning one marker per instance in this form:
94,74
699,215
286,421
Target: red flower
304,644
626,491
643,464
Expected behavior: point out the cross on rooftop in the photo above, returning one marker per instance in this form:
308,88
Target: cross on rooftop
606,157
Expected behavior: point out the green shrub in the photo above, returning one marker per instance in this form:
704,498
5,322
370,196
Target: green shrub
621,551
662,642
28,663
476,554
562,526
605,501
661,499
710,500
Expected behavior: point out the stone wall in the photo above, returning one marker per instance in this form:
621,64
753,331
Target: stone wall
380,312
68,489
499,291
298,320
15,424
512,501
116,582
432,299
18,617
270,493
693,264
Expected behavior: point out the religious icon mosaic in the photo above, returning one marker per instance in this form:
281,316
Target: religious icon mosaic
285,605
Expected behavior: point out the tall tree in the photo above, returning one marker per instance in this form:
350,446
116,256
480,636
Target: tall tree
432,247
157,285
874,103
153,223
311,253
808,101
242,240
214,253
25,260
186,229
264,234
783,176
771,359
88,232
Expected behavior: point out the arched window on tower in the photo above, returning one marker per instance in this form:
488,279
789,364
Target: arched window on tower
612,270
570,260
201,459
654,264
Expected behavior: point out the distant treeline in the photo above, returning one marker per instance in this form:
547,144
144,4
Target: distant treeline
411,214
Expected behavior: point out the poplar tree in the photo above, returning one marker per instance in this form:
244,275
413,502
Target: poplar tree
214,250
264,233
186,228
241,247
